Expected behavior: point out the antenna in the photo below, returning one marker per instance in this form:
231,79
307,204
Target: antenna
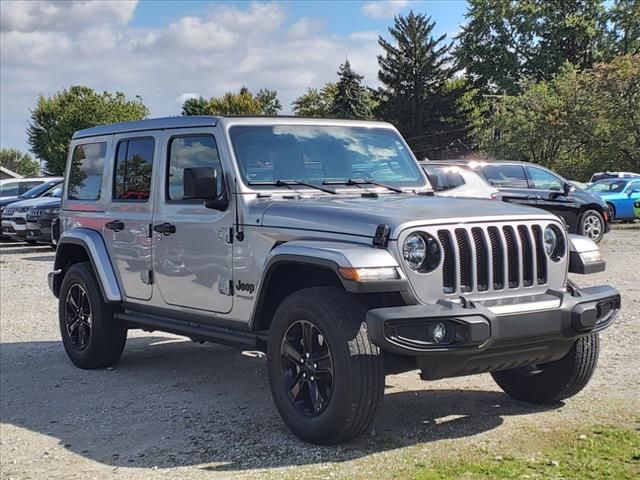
238,228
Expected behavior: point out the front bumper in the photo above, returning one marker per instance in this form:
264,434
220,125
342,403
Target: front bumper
493,335
13,229
39,231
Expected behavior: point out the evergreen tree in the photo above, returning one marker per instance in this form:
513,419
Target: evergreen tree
269,101
415,95
351,98
195,106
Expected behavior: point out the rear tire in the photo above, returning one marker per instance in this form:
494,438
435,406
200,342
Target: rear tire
91,336
351,392
558,380
592,225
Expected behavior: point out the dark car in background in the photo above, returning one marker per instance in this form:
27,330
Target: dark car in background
535,186
34,192
40,219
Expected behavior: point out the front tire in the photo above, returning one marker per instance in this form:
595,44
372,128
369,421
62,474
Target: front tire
326,376
592,225
91,336
558,380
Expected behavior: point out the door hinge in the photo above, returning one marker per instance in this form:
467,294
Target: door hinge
226,235
147,277
225,287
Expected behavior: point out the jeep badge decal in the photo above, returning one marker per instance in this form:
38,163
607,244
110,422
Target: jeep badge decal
245,287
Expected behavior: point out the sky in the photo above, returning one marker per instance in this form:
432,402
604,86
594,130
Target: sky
167,51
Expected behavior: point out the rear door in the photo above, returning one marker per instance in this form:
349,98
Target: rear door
129,213
193,244
511,181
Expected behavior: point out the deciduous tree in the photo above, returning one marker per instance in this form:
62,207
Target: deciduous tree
56,118
19,162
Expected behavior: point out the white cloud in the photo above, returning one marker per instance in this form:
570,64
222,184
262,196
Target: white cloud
383,9
186,96
31,16
223,49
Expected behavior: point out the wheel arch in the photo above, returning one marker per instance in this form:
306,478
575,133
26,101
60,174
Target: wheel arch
81,245
297,265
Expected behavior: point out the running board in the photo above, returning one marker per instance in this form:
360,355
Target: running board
194,330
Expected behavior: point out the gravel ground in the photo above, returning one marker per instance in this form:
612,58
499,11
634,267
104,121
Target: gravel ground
172,408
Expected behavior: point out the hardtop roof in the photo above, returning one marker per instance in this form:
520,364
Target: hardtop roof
191,121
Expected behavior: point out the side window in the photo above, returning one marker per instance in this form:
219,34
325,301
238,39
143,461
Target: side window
505,176
85,176
132,178
634,186
9,189
26,186
186,152
543,180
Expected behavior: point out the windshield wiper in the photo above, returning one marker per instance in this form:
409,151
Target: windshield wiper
352,181
290,183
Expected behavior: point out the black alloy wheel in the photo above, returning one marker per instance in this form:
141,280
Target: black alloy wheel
307,368
78,317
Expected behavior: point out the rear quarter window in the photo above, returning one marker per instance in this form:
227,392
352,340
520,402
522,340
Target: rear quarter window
85,173
443,178
505,176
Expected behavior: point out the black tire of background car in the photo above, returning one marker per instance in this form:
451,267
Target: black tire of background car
358,384
558,380
583,222
107,336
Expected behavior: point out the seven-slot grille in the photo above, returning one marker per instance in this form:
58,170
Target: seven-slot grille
492,258
34,213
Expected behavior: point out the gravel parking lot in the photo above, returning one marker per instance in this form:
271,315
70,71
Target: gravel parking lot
172,408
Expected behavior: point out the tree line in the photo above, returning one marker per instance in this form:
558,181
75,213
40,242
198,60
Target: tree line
556,83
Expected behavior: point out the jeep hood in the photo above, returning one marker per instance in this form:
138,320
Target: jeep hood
361,215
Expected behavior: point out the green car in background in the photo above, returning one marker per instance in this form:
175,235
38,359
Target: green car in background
636,208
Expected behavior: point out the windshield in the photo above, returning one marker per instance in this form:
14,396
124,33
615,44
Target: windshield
55,192
39,190
444,178
318,154
608,186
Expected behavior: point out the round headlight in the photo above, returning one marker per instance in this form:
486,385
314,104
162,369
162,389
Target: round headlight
553,242
414,251
421,252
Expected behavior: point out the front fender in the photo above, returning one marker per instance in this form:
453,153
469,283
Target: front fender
336,255
93,244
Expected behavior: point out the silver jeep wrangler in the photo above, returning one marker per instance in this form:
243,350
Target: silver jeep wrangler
321,243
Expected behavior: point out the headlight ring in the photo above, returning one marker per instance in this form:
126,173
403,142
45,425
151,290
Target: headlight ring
554,243
421,252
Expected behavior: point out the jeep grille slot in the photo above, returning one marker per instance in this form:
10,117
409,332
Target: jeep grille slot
449,264
541,259
498,258
482,259
527,256
492,258
512,256
466,262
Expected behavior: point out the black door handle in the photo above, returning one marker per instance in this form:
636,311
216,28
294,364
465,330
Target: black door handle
115,225
164,228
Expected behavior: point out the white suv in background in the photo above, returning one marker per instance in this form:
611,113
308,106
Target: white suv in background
457,181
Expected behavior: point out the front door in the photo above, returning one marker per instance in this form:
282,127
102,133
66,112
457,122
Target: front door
193,249
549,189
126,230
511,181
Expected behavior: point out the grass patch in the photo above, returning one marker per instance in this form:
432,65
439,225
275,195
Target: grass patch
602,452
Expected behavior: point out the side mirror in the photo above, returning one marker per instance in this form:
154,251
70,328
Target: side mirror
632,191
566,188
201,183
